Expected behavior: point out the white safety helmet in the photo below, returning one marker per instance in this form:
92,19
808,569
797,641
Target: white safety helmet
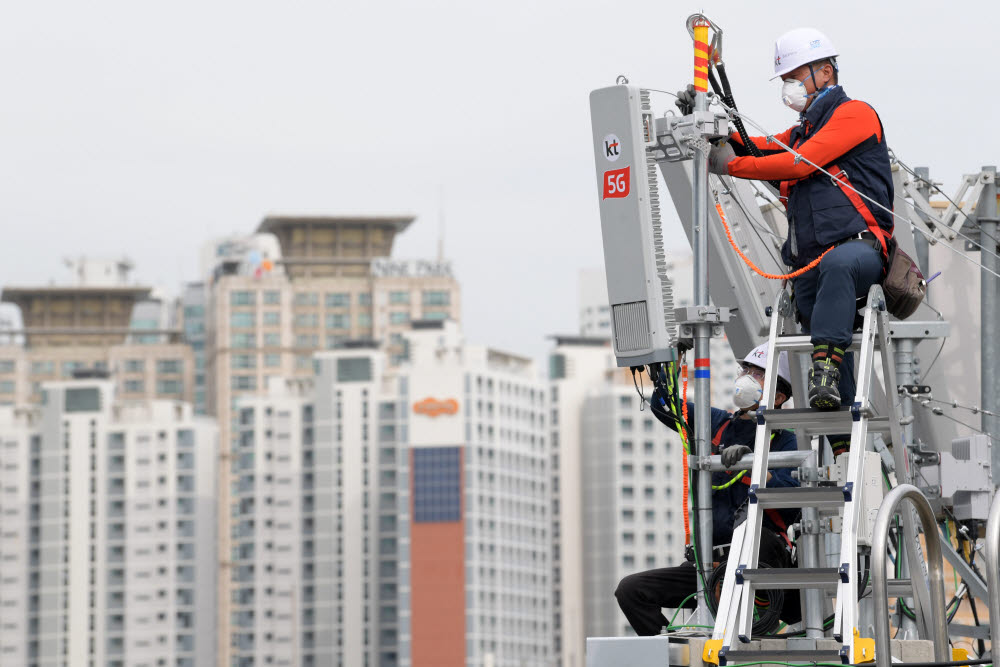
758,357
799,47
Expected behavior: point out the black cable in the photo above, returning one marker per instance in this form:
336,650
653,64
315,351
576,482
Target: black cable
727,97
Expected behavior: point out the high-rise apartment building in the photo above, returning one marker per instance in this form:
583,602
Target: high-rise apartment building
632,509
108,532
577,365
423,506
102,323
300,285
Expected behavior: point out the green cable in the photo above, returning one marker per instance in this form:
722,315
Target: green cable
679,607
728,484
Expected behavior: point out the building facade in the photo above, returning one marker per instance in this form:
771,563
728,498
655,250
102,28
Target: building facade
102,323
424,508
108,538
632,511
300,285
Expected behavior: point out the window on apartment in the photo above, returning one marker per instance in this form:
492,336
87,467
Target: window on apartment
435,315
272,298
337,300
168,366
365,299
399,297
135,386
272,360
242,340
272,340
307,320
337,321
6,365
307,340
307,299
248,382
399,317
135,365
242,320
43,367
242,298
168,387
244,361
364,320
272,318
436,298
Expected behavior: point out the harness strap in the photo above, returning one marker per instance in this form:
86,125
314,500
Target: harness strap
842,182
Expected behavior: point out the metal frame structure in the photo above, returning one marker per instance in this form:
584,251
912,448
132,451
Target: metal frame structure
678,146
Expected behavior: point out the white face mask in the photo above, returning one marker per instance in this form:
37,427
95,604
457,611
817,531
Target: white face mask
747,392
794,95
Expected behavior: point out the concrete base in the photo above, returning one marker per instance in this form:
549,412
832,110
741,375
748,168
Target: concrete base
675,650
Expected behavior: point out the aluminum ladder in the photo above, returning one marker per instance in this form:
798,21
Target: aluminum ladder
734,618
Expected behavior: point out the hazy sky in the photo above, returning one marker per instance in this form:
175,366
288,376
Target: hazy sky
145,129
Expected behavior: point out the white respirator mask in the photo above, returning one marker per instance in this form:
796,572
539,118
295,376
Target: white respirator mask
794,95
747,392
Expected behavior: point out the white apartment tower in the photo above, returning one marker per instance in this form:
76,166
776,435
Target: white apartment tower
108,538
632,509
424,506
577,364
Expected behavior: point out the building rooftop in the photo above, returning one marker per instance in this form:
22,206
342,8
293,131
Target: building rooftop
74,315
322,245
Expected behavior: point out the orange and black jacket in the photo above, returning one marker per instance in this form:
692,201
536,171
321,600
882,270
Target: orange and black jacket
845,137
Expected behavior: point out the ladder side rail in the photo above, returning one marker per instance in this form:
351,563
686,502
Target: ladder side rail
993,571
845,615
904,474
880,591
758,478
726,616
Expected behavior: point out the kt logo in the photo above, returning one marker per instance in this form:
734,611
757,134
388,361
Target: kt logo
612,147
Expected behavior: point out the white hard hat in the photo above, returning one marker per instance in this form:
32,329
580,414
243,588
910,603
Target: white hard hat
758,357
798,47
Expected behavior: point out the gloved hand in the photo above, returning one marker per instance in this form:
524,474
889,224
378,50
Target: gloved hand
732,454
685,100
719,158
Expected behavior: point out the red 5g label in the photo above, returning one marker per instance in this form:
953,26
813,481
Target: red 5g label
616,183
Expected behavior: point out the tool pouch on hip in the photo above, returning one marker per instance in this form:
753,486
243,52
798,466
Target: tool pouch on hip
904,284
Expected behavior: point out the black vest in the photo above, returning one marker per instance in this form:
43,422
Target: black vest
819,212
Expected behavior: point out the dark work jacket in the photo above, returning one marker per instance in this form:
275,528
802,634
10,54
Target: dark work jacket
819,212
726,503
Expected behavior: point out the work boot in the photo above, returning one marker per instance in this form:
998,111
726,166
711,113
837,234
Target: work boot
824,377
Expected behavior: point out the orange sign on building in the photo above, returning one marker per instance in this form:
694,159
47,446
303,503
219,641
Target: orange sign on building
433,407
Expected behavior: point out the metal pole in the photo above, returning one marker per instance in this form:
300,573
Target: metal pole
702,330
919,240
935,573
986,214
904,376
993,571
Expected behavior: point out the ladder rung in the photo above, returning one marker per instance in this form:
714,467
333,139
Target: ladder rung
822,497
826,578
804,343
816,422
779,655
